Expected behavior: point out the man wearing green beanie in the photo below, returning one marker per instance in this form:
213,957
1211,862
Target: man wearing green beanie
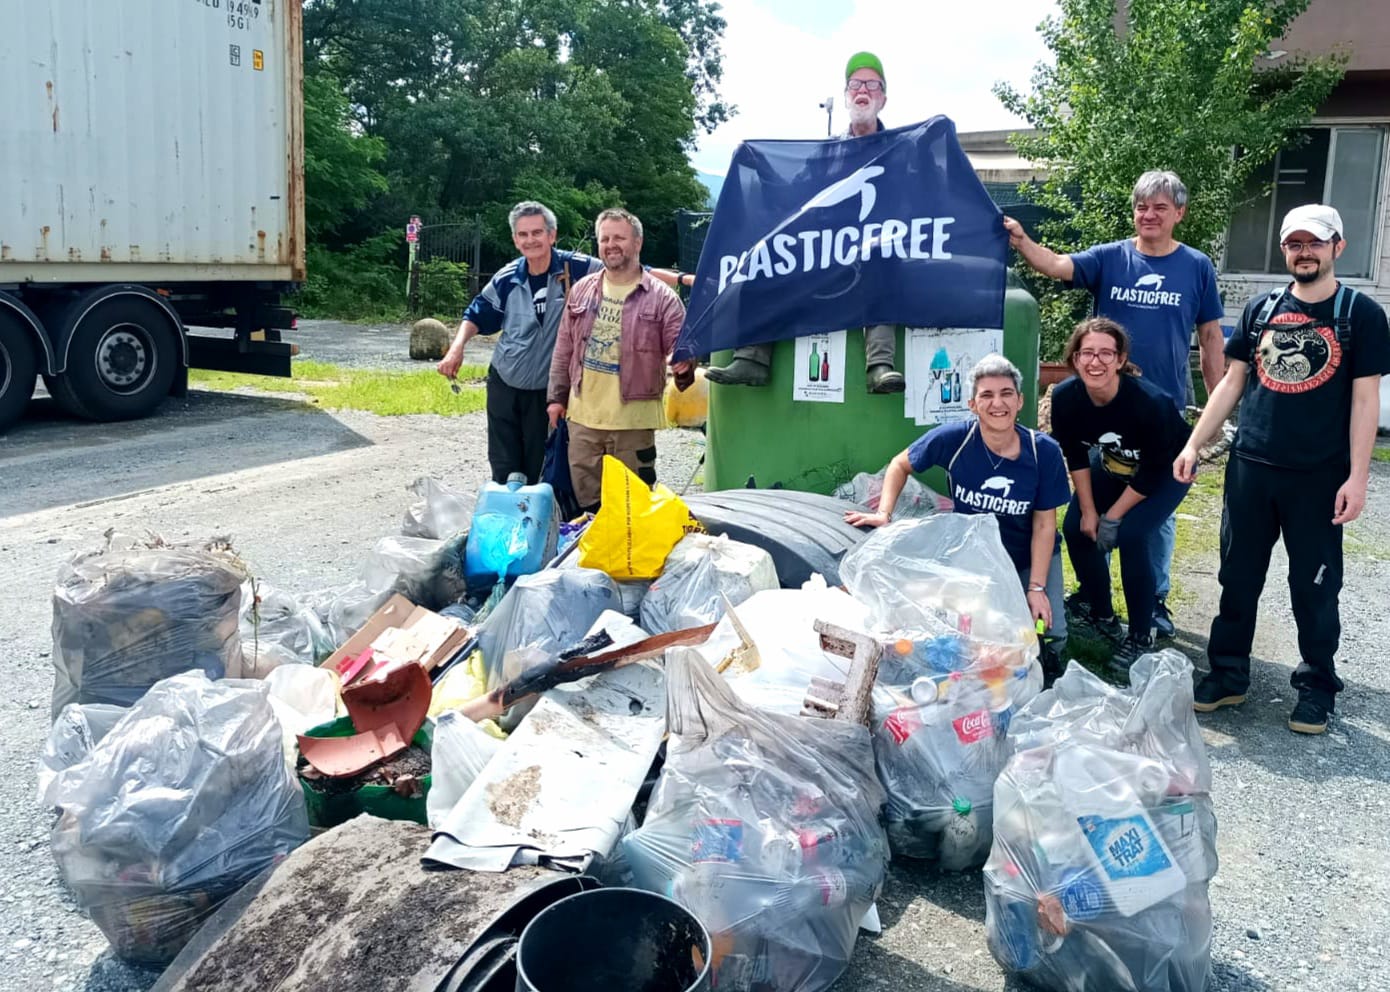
865,94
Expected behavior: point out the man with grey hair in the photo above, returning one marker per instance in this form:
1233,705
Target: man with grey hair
1159,290
524,301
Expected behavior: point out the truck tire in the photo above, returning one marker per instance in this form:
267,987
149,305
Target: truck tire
18,366
122,360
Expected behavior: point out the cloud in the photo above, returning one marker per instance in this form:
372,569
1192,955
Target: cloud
939,58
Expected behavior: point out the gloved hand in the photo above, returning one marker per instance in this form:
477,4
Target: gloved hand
1107,534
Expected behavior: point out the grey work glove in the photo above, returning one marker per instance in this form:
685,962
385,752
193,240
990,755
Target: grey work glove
1107,534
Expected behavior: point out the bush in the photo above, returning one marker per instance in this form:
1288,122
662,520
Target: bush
364,282
443,290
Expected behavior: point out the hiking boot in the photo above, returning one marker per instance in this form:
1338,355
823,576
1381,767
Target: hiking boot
1135,644
885,379
1310,715
739,372
1210,694
1163,621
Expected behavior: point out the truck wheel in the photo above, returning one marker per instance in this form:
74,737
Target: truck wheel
121,361
17,368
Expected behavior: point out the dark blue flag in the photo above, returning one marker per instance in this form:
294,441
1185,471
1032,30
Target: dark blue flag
813,236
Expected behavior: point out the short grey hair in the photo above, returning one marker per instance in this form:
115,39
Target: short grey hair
618,213
1157,181
531,208
995,365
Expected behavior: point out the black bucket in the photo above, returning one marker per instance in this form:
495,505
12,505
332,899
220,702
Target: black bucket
611,939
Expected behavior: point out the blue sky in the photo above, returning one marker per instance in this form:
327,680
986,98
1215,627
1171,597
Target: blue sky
783,57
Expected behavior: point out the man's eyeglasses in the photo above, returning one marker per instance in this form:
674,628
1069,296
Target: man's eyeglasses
872,85
1298,246
1105,357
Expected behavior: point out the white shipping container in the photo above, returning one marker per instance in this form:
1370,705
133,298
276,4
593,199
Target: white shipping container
151,140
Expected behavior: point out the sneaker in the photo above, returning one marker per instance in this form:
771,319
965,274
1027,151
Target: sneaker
1109,628
1310,715
1163,621
1134,645
739,372
1078,610
1210,694
885,379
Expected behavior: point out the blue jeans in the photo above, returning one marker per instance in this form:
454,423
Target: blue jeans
1055,597
1136,542
1161,551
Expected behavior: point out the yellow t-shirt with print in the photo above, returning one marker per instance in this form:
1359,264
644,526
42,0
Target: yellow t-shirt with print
598,402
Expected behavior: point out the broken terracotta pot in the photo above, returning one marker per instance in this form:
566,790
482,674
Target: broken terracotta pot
386,713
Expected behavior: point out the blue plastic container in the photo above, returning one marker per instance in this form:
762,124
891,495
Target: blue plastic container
513,531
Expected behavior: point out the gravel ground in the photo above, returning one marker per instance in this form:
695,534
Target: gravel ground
1302,900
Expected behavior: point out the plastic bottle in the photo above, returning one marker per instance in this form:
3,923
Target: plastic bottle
960,840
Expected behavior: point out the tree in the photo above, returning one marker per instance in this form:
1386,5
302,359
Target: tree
484,102
1178,84
340,174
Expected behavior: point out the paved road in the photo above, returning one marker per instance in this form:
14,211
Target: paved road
303,493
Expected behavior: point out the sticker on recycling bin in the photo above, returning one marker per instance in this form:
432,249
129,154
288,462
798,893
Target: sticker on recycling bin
1135,865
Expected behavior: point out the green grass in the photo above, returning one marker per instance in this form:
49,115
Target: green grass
334,387
1380,453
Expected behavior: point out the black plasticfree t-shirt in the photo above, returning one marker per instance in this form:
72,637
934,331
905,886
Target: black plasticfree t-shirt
1296,409
1138,433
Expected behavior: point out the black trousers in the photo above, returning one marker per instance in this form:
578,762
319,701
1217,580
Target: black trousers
516,430
1261,503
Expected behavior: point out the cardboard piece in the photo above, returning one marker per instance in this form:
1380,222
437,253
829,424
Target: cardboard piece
399,633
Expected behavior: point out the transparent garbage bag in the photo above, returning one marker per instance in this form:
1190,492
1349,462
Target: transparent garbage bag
960,659
72,737
548,611
429,573
700,572
344,610
1105,836
460,752
140,610
766,828
277,629
915,500
182,802
438,511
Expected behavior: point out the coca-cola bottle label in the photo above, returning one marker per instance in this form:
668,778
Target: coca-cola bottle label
974,727
903,723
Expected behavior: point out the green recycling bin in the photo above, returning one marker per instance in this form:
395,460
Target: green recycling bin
766,435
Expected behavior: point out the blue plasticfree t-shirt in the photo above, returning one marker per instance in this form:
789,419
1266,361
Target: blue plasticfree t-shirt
1158,299
1010,488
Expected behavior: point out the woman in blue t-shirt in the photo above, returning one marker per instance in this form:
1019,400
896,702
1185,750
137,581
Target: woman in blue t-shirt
995,466
1120,436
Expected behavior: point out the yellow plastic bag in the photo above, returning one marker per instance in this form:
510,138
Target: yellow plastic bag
635,528
463,684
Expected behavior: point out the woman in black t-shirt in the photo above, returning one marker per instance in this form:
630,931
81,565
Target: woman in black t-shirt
1119,436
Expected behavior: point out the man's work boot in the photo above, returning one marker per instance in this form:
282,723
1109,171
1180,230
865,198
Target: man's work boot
739,372
885,379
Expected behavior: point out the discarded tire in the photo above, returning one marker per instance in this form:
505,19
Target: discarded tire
614,939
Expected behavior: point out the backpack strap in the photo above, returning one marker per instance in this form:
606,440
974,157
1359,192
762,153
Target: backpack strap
974,425
1341,314
1262,318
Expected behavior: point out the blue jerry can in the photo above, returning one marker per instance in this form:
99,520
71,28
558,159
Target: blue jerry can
513,531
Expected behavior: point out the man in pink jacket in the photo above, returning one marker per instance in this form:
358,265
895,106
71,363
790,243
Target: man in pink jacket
609,366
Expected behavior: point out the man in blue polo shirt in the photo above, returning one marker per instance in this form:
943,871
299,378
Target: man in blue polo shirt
1159,289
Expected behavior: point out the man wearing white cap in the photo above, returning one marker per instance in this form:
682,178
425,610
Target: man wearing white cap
1300,461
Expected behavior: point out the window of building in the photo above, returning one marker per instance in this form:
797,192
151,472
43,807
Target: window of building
1336,165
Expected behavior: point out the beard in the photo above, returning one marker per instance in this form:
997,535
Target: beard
862,115
1303,276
